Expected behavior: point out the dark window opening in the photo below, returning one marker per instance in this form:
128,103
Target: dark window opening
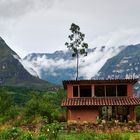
114,112
75,91
111,90
85,91
121,90
99,90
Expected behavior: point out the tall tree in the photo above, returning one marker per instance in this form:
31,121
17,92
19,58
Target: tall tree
77,44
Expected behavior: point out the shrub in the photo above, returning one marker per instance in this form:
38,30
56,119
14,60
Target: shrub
11,133
116,136
98,120
132,123
52,130
119,136
15,134
42,137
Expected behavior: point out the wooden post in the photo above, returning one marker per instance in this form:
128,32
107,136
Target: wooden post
132,113
92,89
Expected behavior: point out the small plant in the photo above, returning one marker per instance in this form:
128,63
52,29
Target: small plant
116,136
42,137
116,121
11,133
15,134
103,121
26,136
98,120
133,123
126,136
72,122
52,130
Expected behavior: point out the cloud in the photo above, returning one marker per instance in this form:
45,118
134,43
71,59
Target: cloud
45,64
26,65
114,43
88,66
105,47
118,38
16,8
95,60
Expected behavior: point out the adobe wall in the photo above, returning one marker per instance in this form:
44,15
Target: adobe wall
83,113
132,114
69,91
129,90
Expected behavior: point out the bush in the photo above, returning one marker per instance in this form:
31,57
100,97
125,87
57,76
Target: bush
137,110
15,134
9,134
42,137
52,130
119,136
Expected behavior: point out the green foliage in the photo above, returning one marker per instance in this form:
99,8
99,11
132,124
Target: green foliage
8,108
42,137
6,101
98,120
119,136
77,44
15,134
88,135
9,134
13,112
47,104
20,95
33,104
137,110
52,130
39,118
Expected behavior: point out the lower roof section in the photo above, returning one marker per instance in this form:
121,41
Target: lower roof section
101,101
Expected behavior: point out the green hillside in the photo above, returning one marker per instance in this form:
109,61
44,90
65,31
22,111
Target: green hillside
12,73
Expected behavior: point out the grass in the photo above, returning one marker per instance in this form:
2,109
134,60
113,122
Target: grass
87,136
135,136
19,134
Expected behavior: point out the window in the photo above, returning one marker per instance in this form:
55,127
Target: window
85,91
111,90
99,90
121,90
75,91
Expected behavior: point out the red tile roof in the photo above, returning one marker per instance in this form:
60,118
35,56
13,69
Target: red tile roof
100,101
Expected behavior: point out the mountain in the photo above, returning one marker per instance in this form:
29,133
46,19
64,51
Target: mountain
12,72
124,65
51,67
60,65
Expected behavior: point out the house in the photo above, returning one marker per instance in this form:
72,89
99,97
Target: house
88,100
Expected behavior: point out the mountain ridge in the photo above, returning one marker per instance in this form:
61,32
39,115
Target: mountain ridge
124,65
105,62
12,72
60,65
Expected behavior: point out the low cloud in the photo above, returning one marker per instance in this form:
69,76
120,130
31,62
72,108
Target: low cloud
95,60
88,66
45,64
108,46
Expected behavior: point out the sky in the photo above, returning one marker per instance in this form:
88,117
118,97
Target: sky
42,26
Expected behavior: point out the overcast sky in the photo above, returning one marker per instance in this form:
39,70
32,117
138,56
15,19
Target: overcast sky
43,25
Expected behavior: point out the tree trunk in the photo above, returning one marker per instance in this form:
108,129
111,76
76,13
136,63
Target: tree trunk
77,66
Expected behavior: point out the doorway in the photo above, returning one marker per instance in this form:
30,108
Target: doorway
114,112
